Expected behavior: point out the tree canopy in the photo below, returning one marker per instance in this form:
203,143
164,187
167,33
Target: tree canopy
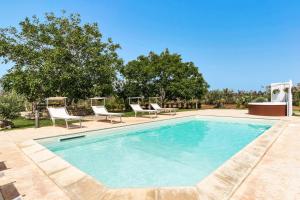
164,75
61,56
58,55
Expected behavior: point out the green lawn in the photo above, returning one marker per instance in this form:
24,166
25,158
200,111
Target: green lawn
296,113
21,123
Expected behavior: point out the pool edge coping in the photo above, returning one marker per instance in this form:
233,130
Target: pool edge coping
160,120
220,184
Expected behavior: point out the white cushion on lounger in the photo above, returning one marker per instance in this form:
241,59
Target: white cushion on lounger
138,108
61,113
101,110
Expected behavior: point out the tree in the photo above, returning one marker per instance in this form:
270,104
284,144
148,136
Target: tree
164,75
58,56
11,104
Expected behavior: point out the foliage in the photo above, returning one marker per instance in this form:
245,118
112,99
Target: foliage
276,91
164,75
115,103
220,103
58,56
214,96
11,105
260,99
296,95
226,96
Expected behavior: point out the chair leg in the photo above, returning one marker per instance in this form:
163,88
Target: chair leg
135,114
120,118
80,124
53,121
110,119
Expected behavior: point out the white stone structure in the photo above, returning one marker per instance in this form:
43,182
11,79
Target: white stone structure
282,92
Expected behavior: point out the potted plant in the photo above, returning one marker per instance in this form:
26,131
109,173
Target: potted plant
276,91
286,91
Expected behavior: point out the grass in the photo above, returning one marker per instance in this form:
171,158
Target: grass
128,114
296,113
21,123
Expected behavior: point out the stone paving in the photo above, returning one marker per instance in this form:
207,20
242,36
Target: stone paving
277,177
39,174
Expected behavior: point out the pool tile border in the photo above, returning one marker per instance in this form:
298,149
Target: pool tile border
224,181
220,184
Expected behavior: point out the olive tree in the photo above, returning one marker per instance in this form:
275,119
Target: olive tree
164,75
58,56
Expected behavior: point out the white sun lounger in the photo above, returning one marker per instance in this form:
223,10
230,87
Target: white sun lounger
62,113
159,109
101,111
138,109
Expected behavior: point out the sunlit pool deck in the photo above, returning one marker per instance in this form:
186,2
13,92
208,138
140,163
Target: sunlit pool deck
267,168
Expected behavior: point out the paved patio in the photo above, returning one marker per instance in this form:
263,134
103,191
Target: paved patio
275,176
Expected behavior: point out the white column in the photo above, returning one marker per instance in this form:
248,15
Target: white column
290,99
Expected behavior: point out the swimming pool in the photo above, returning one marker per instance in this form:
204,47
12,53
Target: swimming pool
177,152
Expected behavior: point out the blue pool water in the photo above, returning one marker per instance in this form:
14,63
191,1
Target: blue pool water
176,153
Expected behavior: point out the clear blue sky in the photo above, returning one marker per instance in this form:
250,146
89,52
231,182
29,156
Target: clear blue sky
237,44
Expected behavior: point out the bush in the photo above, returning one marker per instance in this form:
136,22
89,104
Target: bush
11,104
220,103
260,99
238,103
243,101
115,103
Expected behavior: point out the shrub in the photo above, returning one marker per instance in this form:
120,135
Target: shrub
115,103
243,101
238,103
11,104
260,99
219,103
276,91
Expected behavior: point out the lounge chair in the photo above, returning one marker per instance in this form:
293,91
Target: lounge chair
62,113
138,109
101,111
159,109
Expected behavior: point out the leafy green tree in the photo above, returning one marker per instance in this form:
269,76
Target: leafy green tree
296,95
240,98
164,75
58,56
11,104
